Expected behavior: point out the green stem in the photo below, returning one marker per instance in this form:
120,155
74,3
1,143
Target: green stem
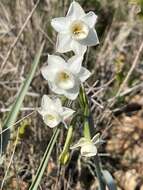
85,109
44,162
86,131
68,139
64,156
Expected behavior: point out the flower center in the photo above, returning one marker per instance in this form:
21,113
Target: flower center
79,30
65,80
50,117
52,120
88,150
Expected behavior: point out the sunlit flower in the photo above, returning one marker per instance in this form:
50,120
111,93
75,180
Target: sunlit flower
65,77
76,30
88,147
52,111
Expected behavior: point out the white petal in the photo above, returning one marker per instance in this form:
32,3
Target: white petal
75,63
97,141
48,72
84,74
55,88
65,125
63,43
61,24
88,150
46,103
67,112
65,79
95,138
55,61
91,40
80,143
75,11
72,93
42,111
52,122
51,125
90,19
58,105
78,48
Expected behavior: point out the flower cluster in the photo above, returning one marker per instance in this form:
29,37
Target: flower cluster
75,33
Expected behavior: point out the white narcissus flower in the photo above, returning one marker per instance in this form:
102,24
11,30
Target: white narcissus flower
52,111
65,77
76,30
88,147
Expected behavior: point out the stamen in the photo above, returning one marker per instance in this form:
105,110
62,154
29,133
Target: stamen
79,30
64,80
50,117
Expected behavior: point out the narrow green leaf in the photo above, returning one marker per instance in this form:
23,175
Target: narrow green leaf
44,162
17,105
109,180
98,170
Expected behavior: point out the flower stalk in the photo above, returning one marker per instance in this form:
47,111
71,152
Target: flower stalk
85,108
45,159
87,135
64,156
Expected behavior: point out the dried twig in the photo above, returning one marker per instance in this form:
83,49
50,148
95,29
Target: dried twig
18,36
2,110
17,122
131,69
11,160
132,90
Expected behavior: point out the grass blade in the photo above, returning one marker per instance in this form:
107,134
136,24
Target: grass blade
109,180
17,105
44,162
98,170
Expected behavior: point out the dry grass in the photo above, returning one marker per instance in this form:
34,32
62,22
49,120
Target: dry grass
21,33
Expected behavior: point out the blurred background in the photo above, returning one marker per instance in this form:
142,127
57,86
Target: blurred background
117,67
